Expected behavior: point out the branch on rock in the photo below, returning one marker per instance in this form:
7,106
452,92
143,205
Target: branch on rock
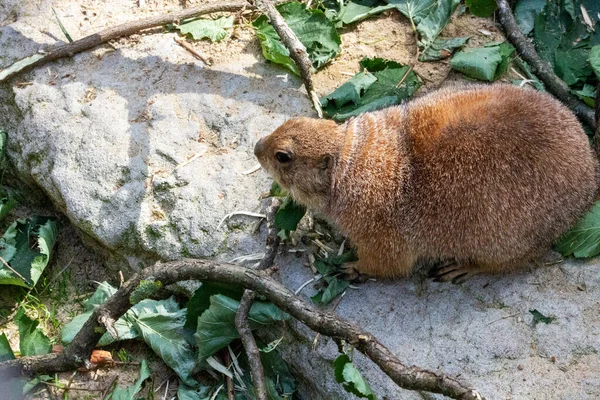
126,29
540,67
297,50
77,353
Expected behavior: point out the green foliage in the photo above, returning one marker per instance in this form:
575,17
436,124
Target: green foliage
428,18
6,206
539,317
483,63
595,60
26,246
482,8
145,290
216,326
525,13
347,374
213,29
377,87
563,39
200,301
584,239
442,48
347,12
289,215
32,341
329,268
129,393
313,29
6,352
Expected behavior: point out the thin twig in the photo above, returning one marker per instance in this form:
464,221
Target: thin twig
126,29
78,351
193,51
540,67
297,50
243,327
273,240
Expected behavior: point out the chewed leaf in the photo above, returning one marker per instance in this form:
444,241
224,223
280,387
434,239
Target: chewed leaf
347,374
213,29
483,63
442,48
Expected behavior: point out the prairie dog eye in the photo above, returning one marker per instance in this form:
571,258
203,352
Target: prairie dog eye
283,157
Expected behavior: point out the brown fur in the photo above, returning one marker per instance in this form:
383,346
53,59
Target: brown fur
489,176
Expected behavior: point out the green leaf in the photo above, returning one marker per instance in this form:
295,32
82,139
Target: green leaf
539,317
6,352
201,392
428,17
483,63
352,380
26,246
313,29
525,13
587,94
351,11
277,191
213,29
482,8
32,341
595,60
277,371
160,324
6,206
145,290
584,239
200,301
216,326
335,287
362,94
289,214
129,393
442,48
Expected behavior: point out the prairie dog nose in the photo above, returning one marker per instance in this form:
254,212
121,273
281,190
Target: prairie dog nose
259,147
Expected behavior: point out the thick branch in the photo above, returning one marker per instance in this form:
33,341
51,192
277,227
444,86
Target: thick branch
241,323
540,67
105,35
328,324
297,50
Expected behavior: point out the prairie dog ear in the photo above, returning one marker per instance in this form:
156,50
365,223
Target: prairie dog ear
326,162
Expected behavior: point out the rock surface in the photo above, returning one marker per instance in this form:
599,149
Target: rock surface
144,149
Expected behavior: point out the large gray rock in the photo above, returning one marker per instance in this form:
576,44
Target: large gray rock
107,134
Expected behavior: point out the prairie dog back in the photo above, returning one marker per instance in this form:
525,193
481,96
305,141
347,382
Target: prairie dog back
484,176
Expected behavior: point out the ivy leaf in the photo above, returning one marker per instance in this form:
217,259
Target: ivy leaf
482,8
26,246
213,29
328,267
32,340
289,214
129,393
6,352
376,87
316,32
350,377
525,13
483,63
216,326
442,48
584,239
335,287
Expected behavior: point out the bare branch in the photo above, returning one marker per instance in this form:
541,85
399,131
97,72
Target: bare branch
126,29
297,50
76,353
540,67
243,327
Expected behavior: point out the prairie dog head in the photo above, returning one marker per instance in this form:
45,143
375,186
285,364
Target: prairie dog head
300,155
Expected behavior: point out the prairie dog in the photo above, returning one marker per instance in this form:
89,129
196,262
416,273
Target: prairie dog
485,177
